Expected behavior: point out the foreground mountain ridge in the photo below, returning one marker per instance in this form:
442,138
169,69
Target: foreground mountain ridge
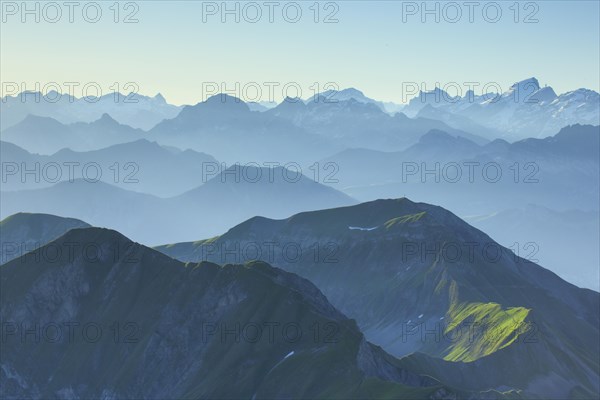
175,334
393,266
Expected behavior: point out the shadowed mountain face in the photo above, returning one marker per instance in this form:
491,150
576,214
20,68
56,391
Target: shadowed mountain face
22,232
226,199
418,279
142,325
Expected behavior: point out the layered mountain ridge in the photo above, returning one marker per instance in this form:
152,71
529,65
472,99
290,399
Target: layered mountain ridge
184,330
395,265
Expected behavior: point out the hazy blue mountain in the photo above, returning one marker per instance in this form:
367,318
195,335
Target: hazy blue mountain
458,121
293,131
550,238
23,232
363,170
225,126
97,203
254,106
392,107
404,271
525,110
241,192
45,135
261,105
140,166
169,330
345,95
360,124
134,110
227,199
13,153
352,93
559,172
440,99
573,141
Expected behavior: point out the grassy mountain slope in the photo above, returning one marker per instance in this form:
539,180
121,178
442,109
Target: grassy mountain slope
413,275
175,330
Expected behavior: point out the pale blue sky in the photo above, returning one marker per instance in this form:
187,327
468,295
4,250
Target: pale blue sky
173,51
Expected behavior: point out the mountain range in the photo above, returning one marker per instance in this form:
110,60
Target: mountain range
525,110
303,226
132,109
198,319
559,172
168,329
293,131
417,279
359,123
228,198
140,166
45,135
554,182
227,128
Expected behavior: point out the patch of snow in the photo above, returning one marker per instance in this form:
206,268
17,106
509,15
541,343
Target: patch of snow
358,228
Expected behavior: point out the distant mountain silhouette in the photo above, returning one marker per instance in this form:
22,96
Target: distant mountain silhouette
228,198
45,135
135,110
525,110
140,166
23,232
